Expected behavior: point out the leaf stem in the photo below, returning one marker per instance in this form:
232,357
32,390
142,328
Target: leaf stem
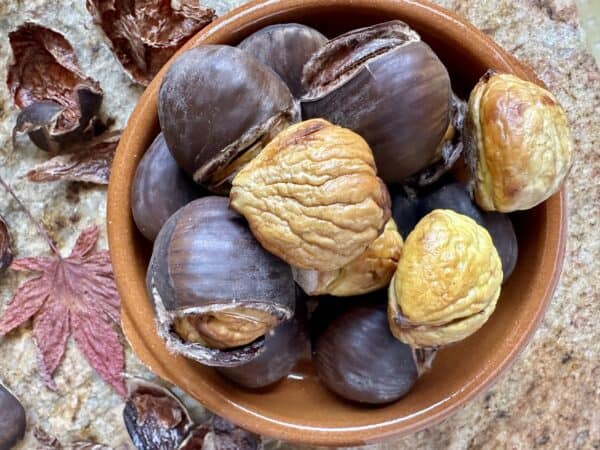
40,229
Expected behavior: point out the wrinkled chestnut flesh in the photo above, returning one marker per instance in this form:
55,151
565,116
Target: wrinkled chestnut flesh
357,357
159,189
284,345
12,419
218,106
208,269
285,48
387,85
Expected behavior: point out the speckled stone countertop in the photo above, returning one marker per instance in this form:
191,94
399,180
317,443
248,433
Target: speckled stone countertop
550,398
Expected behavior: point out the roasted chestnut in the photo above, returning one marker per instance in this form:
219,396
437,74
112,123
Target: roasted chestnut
518,143
503,234
387,85
285,48
159,189
357,357
218,106
312,196
216,292
284,345
6,255
447,282
371,271
12,419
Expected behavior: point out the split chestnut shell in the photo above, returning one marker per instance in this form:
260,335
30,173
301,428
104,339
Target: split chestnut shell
216,292
387,85
159,189
218,106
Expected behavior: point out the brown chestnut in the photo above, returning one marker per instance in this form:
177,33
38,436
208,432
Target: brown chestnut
12,419
358,358
218,106
285,48
159,189
387,85
284,345
216,292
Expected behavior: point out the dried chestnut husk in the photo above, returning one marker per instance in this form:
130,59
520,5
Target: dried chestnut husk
371,271
216,292
285,48
518,143
357,357
447,282
159,189
384,83
284,345
155,419
12,419
6,255
144,34
59,103
218,106
312,196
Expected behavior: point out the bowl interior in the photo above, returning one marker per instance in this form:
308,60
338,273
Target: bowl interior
300,408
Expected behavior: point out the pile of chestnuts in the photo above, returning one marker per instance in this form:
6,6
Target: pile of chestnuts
304,193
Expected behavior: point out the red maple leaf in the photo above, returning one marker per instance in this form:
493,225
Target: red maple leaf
77,295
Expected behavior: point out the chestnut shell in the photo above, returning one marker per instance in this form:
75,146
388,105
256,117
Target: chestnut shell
388,86
358,358
205,259
285,48
159,189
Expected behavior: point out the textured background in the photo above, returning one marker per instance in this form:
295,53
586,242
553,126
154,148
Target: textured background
550,398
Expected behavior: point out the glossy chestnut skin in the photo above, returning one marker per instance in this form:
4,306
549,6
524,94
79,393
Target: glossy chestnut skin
205,261
455,196
387,85
357,357
12,419
159,189
284,346
215,103
285,48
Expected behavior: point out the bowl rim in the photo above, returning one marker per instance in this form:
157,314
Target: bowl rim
119,219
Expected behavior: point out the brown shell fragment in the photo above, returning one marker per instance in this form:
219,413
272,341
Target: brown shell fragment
59,102
89,162
312,196
155,419
144,34
6,255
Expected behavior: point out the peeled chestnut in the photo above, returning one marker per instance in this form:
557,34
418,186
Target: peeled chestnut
387,85
285,48
357,357
517,141
217,107
159,189
284,345
12,419
216,292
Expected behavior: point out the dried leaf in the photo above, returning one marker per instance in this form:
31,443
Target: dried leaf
91,163
76,294
47,442
5,250
155,419
144,34
59,102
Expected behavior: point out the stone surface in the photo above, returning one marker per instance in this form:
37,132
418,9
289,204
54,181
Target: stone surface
550,398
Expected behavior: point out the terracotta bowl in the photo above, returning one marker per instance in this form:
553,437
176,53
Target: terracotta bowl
299,408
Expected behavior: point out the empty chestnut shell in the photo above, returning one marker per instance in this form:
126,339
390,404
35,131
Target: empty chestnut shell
218,106
216,292
358,358
285,48
159,189
12,419
284,345
387,85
